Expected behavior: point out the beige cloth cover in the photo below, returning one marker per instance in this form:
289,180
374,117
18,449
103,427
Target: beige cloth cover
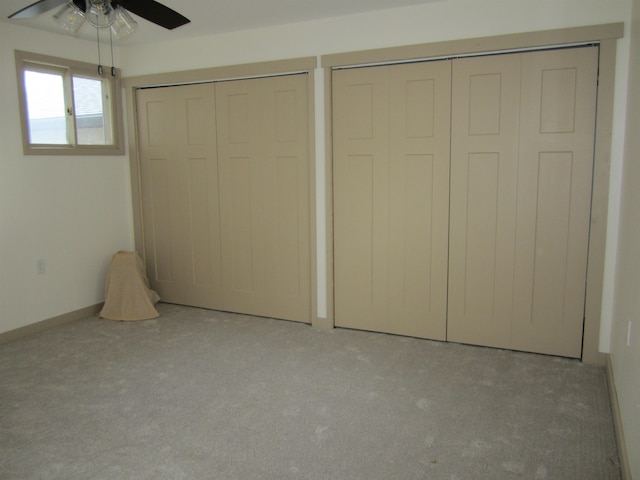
127,293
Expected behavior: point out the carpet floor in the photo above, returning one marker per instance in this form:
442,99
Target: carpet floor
199,394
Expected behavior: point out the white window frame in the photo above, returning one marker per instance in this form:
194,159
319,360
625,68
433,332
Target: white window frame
70,68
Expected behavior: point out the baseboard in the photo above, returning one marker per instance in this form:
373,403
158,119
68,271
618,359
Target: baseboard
617,423
322,323
43,325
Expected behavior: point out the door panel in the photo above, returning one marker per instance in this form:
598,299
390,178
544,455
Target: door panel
162,219
160,173
391,150
559,91
180,203
230,234
197,152
484,168
419,129
264,196
285,122
520,204
361,110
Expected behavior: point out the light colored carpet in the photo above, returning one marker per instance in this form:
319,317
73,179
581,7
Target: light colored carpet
197,394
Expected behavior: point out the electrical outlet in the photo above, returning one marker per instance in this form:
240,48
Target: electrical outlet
41,267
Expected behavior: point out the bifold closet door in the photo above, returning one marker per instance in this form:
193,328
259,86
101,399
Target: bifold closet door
264,196
558,108
391,194
178,171
484,170
521,177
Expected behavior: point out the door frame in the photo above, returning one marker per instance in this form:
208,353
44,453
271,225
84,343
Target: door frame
301,65
605,36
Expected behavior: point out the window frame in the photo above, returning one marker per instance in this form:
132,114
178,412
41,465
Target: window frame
68,69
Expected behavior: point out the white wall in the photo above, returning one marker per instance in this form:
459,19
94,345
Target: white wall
625,344
73,212
445,20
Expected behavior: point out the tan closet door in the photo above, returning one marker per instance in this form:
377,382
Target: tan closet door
391,154
264,196
554,199
177,138
484,168
522,159
419,130
361,192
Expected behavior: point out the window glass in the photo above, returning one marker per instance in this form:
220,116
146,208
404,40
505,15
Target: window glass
89,99
68,107
46,110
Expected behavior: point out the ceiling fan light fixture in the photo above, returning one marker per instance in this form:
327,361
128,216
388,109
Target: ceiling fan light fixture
69,17
124,25
100,13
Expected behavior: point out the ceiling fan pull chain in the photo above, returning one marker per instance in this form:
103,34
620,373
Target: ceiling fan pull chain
113,65
100,70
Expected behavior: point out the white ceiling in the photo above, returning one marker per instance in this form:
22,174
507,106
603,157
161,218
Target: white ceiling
219,16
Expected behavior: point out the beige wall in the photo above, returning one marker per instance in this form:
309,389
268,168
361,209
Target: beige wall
625,345
73,212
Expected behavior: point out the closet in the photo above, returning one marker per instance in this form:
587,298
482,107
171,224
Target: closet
224,171
462,198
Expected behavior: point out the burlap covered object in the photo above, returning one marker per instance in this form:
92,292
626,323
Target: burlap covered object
127,293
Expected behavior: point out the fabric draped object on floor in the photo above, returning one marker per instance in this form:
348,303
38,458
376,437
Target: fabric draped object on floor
127,293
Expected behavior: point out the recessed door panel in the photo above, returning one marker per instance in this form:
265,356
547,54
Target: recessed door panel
161,220
203,239
242,227
481,239
290,253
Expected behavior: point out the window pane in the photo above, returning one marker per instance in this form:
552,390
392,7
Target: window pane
92,125
46,114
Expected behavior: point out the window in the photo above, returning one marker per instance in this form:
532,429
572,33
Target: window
67,107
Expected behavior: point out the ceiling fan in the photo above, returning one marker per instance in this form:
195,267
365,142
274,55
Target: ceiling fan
148,9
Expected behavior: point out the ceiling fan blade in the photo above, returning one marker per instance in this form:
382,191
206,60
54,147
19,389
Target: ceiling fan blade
154,12
37,8
81,4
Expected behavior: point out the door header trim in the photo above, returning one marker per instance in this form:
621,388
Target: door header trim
471,46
